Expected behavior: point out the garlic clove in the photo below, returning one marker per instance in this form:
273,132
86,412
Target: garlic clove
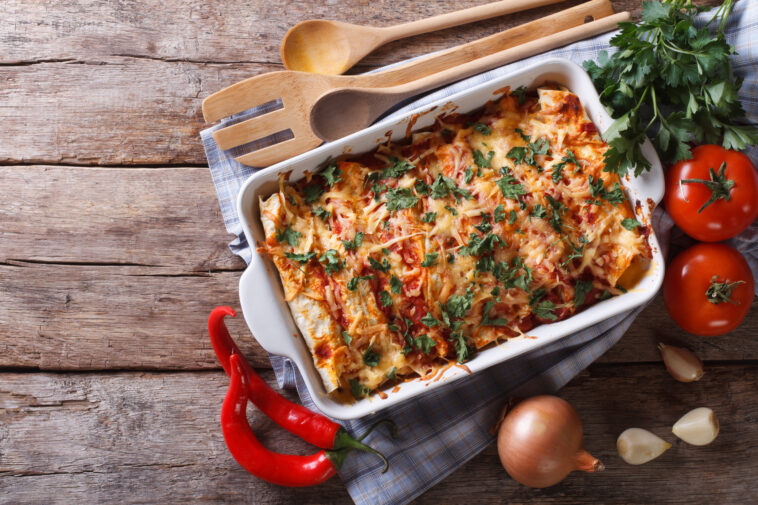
637,446
681,363
697,427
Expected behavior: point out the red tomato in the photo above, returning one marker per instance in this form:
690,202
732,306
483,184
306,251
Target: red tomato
735,191
701,304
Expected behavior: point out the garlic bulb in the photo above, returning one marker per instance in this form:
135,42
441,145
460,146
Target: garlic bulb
697,427
637,446
682,364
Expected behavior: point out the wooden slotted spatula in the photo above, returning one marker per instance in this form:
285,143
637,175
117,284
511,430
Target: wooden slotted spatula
298,91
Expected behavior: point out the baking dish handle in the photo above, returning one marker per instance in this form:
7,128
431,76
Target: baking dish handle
260,306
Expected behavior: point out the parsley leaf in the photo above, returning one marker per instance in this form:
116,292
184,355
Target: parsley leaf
385,299
300,258
347,338
421,187
544,310
512,217
391,374
400,198
429,320
424,343
322,213
313,192
331,174
630,223
486,320
429,217
443,186
581,290
520,94
352,284
397,169
370,357
358,390
354,243
509,185
482,128
462,350
396,285
384,266
558,209
468,174
458,305
331,261
478,245
288,235
451,210
430,260
481,161
558,167
499,214
538,211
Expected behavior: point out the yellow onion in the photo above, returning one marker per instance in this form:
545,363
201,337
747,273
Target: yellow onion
540,442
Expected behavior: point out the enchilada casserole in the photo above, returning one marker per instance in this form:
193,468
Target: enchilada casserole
411,258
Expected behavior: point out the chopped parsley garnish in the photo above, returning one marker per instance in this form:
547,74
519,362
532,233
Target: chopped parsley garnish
313,192
370,357
300,258
424,343
391,374
446,131
538,211
288,235
526,154
596,186
558,209
429,320
520,94
486,320
386,251
429,217
322,213
396,285
630,223
544,310
450,258
479,245
577,251
604,295
443,186
558,167
385,299
581,290
347,338
462,350
499,213
615,196
480,159
400,198
457,306
430,260
421,187
396,170
354,243
485,226
509,185
482,128
358,390
451,210
512,217
331,174
468,174
384,266
352,284
331,261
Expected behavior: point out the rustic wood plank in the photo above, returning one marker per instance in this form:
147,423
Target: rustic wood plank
157,217
116,83
232,31
144,437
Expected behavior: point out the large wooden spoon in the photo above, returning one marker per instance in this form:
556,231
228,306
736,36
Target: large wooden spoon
331,47
342,111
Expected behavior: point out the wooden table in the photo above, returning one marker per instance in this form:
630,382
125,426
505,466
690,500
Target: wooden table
113,251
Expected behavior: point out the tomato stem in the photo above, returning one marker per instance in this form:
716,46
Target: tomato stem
719,292
719,185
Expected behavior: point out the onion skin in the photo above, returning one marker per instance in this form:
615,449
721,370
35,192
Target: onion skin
540,442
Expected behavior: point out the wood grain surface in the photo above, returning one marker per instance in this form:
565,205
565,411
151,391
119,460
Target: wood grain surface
113,250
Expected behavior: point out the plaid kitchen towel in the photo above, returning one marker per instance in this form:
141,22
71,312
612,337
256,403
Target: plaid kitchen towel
443,429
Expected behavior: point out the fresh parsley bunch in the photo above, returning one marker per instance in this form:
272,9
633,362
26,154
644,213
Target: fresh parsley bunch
672,80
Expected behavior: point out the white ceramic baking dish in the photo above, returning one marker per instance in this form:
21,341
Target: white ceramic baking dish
261,295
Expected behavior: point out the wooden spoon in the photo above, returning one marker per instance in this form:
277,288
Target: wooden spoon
331,47
342,111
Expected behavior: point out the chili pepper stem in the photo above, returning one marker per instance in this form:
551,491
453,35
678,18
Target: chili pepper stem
343,442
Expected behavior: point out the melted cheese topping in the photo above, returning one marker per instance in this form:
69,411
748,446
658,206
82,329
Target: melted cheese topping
398,261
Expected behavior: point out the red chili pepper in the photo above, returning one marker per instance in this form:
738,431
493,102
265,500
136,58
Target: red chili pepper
281,469
310,426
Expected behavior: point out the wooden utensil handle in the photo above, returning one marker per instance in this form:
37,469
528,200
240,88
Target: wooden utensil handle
464,53
462,17
485,63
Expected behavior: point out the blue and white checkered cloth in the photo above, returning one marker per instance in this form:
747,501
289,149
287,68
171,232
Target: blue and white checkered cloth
443,429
